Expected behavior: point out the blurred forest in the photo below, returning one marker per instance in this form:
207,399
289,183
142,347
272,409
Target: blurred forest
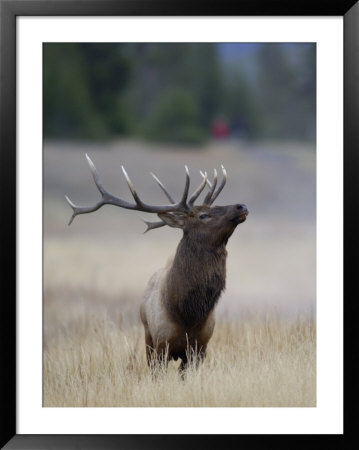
179,92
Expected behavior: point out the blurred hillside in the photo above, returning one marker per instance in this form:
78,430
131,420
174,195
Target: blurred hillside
178,92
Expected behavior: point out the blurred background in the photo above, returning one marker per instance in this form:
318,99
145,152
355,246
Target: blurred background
180,93
154,107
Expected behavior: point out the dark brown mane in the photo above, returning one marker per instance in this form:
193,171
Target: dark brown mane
195,282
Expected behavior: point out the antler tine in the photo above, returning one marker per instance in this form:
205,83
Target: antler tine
163,189
108,199
183,202
153,225
208,198
198,191
132,189
208,182
80,210
221,186
96,176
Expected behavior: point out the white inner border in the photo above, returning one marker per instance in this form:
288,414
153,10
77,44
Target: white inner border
327,32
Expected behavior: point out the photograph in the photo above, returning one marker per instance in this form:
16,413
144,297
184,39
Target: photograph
179,224
175,178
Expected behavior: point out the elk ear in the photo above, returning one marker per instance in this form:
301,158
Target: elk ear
172,219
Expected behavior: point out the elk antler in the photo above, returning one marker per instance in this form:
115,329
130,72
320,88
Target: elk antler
108,199
182,206
211,196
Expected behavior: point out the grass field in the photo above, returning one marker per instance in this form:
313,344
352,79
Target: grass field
250,362
263,351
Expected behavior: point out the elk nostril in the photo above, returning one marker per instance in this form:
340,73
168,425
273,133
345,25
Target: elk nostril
242,207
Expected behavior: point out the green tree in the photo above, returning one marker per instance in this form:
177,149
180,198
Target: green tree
159,71
108,72
286,87
240,105
68,108
175,119
82,86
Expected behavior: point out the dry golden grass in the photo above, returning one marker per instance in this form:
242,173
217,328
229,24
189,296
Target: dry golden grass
257,361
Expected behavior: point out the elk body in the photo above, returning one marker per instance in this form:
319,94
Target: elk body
179,301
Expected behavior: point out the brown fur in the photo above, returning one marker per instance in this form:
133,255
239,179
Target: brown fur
178,308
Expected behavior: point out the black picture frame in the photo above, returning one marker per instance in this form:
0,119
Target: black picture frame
9,10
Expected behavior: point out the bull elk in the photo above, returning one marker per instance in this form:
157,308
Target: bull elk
178,308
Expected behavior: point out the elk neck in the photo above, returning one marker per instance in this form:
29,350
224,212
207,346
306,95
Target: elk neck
195,281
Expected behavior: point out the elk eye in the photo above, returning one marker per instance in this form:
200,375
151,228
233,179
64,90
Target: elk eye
203,216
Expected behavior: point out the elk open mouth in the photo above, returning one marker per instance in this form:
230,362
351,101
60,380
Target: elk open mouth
239,218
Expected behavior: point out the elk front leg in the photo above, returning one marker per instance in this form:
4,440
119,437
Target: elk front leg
184,364
150,351
149,348
157,356
191,357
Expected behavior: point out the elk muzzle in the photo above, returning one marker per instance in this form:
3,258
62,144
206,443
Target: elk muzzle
240,213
